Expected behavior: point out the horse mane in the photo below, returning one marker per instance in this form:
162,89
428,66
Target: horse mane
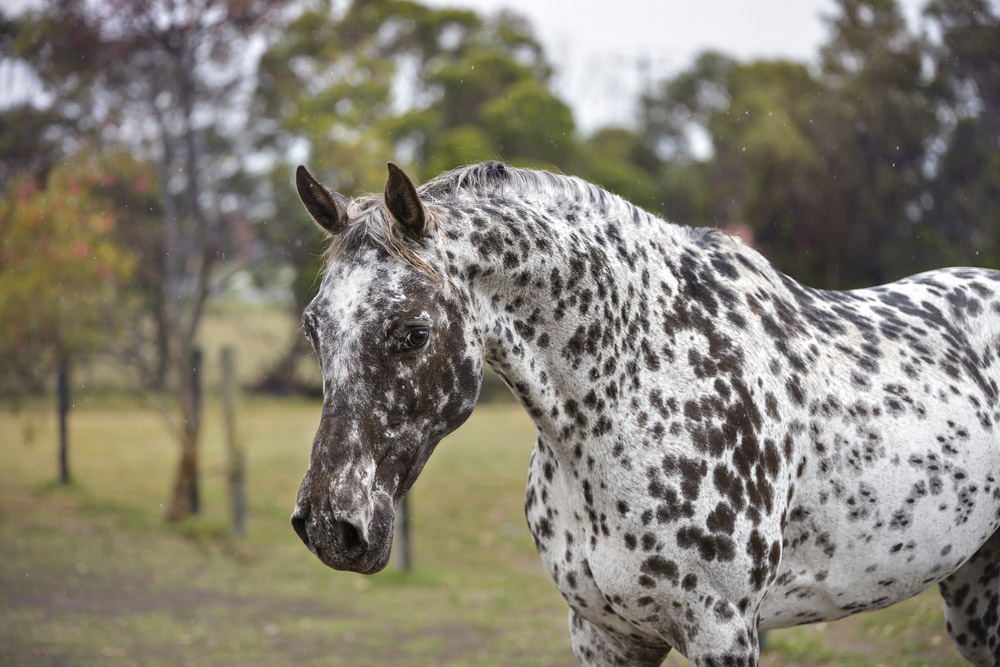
499,179
369,219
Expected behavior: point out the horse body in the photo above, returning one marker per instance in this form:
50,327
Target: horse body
899,456
719,448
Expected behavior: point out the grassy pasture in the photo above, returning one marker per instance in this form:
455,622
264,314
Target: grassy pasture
90,575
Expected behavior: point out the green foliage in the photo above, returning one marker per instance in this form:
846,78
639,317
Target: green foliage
433,88
461,145
965,199
530,123
616,159
882,160
27,144
870,168
62,270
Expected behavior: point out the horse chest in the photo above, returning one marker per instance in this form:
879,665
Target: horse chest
572,528
630,551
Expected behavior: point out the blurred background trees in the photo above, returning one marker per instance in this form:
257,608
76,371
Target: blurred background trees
163,81
63,271
878,160
844,172
63,280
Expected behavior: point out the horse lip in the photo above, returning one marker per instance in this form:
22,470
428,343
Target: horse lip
379,559
334,558
377,566
367,563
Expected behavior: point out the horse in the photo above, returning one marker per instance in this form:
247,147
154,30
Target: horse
720,449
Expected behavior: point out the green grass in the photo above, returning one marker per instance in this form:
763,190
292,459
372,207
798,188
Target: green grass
260,333
91,574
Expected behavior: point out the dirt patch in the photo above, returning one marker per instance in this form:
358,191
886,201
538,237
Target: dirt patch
136,598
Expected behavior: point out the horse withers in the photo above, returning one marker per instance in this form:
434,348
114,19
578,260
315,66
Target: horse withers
719,448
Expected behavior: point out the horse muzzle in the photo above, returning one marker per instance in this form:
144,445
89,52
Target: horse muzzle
343,540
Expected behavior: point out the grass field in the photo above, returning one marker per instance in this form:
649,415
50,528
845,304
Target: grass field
91,575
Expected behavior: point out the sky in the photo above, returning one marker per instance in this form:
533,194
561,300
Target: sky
606,52
598,48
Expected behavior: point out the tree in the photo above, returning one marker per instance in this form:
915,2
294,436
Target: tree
530,124
884,119
394,78
348,89
763,168
828,168
163,78
965,196
617,159
62,277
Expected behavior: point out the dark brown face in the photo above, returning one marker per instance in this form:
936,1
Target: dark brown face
401,369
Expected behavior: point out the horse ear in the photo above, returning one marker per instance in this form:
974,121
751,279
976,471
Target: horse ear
403,202
327,208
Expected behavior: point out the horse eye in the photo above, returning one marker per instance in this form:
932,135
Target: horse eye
414,339
309,333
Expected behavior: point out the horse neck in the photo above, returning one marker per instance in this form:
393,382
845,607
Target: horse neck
563,298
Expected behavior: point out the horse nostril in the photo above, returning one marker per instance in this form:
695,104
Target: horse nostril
299,524
350,537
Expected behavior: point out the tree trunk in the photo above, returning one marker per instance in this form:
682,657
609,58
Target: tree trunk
188,262
184,498
63,407
184,321
162,339
185,481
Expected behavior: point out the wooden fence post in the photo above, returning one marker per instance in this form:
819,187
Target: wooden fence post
196,361
63,407
236,474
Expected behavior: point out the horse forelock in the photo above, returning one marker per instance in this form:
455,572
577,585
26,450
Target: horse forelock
370,222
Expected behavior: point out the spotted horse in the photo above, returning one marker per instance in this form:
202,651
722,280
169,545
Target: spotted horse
719,448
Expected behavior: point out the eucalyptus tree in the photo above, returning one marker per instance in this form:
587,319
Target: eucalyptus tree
168,80
827,165
964,202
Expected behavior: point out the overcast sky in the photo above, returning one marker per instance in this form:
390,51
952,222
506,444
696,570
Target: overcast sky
597,46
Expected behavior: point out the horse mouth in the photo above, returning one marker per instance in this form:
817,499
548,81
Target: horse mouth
370,561
367,563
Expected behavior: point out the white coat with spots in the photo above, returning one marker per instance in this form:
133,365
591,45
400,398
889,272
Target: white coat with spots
720,449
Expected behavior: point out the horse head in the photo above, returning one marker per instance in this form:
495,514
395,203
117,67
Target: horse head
401,364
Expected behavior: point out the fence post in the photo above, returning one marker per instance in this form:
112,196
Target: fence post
402,538
196,360
63,407
237,477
